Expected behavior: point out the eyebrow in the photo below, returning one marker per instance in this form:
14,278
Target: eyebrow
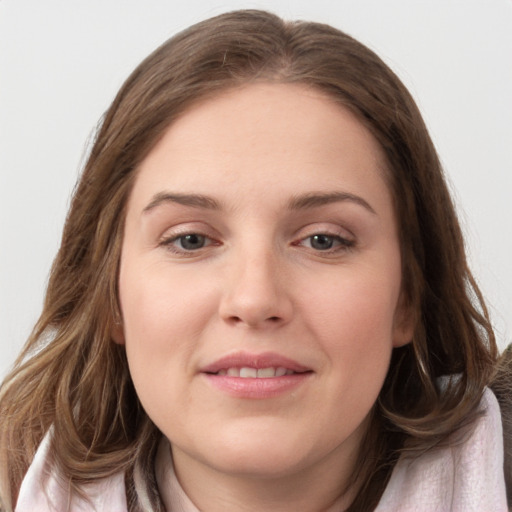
313,200
194,200
301,202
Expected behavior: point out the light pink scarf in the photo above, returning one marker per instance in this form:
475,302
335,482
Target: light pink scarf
461,478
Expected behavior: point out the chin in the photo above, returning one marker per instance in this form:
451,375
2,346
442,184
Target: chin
260,451
254,464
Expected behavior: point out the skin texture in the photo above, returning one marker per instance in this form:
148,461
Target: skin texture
259,282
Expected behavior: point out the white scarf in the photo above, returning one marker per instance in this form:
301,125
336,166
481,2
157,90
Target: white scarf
462,478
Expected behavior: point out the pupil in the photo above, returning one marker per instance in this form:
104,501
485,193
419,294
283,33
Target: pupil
192,241
321,242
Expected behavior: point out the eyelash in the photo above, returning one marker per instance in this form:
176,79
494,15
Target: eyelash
339,243
169,243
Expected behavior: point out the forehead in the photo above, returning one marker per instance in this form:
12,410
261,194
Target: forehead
284,138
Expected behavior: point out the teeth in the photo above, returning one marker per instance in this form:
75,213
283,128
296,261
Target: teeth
266,372
248,372
262,373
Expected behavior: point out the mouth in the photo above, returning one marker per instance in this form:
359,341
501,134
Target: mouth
256,376
266,365
246,372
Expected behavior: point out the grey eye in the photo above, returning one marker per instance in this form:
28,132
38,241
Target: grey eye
322,242
192,242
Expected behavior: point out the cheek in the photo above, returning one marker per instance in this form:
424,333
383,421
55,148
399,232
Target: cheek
361,304
158,305
163,321
353,319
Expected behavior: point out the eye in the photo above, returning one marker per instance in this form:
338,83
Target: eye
187,243
321,242
191,242
326,242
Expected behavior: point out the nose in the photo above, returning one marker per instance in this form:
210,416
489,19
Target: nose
256,291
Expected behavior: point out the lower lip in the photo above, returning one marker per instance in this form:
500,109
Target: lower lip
254,388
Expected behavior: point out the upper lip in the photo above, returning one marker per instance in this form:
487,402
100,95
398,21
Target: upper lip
258,361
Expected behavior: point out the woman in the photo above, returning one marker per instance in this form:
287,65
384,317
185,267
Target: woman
261,266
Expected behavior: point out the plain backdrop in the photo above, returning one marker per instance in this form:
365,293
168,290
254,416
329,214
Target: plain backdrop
61,62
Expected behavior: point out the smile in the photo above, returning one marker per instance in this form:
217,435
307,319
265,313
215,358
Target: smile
256,376
246,365
255,373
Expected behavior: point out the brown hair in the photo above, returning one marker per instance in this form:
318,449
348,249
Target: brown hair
71,377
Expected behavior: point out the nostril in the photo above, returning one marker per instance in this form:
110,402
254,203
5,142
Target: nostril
237,320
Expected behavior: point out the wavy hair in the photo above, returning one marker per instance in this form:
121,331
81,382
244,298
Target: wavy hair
72,378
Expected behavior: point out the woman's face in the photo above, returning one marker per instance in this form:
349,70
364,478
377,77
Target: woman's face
260,283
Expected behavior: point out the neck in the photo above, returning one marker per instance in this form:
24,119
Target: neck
323,487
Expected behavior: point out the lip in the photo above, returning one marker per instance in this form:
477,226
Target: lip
256,388
258,361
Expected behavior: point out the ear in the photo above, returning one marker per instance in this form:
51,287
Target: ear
404,323
117,333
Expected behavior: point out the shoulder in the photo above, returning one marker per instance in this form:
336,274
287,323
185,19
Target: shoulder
502,388
45,490
467,474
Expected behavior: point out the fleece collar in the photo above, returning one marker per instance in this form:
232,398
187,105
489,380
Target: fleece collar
466,477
